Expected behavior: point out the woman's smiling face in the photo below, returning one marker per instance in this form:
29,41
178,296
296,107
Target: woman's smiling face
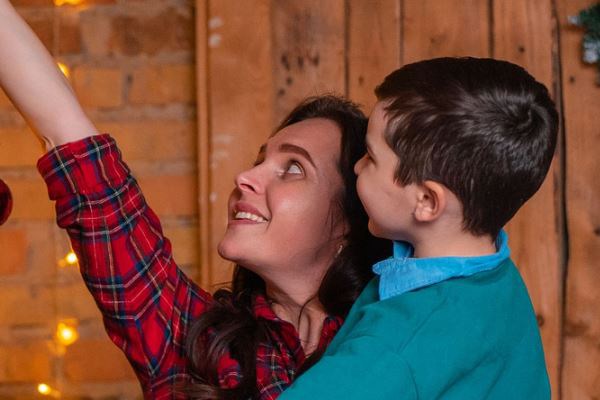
283,212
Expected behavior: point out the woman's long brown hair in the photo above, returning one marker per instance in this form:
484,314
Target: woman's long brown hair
229,324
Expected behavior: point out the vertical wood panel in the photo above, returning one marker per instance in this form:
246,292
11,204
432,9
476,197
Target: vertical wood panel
264,56
581,374
373,47
240,85
308,51
203,142
434,28
523,34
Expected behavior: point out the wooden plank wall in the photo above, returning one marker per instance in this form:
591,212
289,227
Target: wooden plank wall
258,58
581,99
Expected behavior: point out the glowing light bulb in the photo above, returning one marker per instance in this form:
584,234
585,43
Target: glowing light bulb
59,3
66,332
71,258
44,389
64,69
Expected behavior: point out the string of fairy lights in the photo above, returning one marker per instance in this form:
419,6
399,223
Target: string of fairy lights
66,331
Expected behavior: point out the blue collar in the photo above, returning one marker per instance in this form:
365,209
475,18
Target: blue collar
403,273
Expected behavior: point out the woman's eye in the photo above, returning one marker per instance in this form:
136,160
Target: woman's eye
294,169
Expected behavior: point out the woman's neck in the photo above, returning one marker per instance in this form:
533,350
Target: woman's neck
303,310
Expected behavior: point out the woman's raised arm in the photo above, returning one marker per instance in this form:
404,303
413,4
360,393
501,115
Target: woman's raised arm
35,85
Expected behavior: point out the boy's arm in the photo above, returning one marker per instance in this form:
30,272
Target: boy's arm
35,85
360,368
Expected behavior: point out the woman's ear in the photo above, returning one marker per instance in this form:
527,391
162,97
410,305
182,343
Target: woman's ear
431,201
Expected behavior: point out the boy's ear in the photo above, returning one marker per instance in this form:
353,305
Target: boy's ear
431,201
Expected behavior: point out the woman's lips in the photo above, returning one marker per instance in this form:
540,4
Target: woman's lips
244,213
249,216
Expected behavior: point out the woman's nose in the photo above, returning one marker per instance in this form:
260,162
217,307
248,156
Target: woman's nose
249,181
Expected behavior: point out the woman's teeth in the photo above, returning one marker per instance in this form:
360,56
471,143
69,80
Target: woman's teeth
251,217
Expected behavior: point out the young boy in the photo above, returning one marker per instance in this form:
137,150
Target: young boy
455,147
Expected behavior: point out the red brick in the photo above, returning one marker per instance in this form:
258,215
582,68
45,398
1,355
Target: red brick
134,35
30,199
50,3
26,363
98,87
185,244
171,195
41,245
95,32
95,360
75,300
163,84
22,305
90,3
19,147
13,250
69,34
32,3
154,140
28,249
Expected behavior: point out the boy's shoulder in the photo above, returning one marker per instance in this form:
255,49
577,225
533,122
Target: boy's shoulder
488,301
479,326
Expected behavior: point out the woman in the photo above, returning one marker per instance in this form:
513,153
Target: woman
296,231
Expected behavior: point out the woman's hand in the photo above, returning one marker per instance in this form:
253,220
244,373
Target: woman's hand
35,85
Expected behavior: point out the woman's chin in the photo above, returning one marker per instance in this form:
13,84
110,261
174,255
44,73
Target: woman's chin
229,251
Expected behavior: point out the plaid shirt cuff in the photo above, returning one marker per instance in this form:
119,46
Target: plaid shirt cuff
87,166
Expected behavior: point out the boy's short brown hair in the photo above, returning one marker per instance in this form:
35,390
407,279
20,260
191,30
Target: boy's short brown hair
484,128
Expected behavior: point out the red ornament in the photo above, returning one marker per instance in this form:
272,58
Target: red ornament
5,202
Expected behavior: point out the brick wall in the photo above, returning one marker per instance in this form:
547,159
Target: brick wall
132,67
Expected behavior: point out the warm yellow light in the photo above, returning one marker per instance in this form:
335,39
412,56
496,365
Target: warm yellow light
44,389
47,390
71,258
66,332
69,2
64,69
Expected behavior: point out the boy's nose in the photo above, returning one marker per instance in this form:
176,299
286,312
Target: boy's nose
359,165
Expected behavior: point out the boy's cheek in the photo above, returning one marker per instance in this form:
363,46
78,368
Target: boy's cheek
361,190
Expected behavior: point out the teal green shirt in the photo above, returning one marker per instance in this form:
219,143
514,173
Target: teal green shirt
471,337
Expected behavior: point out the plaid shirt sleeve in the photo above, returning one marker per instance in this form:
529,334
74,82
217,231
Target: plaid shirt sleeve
147,303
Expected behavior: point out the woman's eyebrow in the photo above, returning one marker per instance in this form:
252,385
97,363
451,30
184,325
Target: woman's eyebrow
292,148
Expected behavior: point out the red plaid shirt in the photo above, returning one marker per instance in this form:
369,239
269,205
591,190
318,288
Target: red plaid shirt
146,301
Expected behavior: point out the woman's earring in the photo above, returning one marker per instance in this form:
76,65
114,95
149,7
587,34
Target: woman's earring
339,250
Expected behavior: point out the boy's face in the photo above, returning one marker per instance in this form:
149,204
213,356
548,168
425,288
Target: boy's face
389,204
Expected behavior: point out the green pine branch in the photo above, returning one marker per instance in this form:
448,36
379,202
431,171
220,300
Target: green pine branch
589,19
